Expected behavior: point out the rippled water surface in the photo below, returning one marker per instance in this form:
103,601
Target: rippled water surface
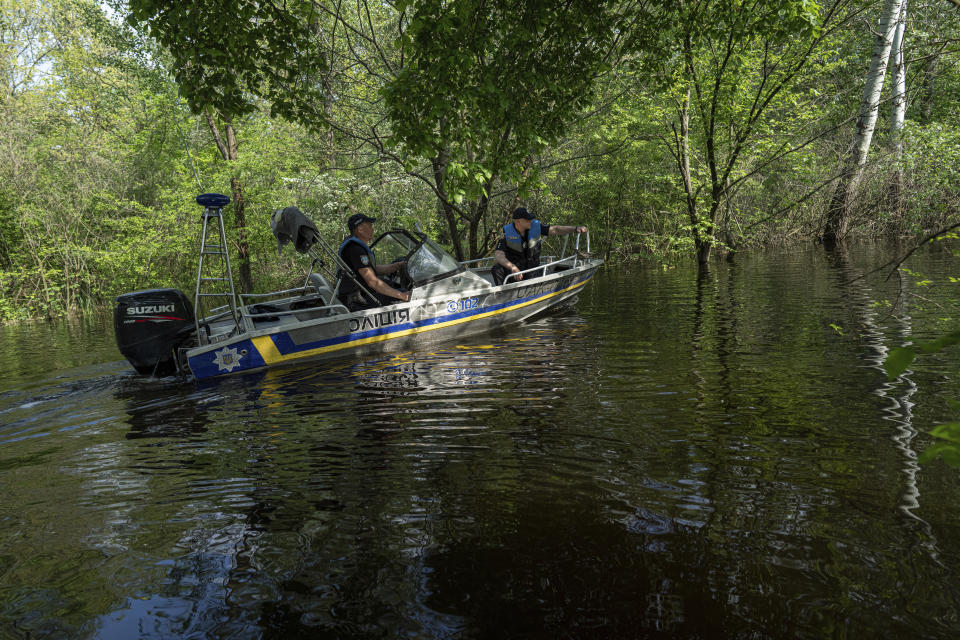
677,457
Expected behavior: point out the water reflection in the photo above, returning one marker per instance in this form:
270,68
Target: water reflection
325,450
864,304
166,408
683,457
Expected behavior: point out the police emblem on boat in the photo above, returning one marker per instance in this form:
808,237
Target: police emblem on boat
227,359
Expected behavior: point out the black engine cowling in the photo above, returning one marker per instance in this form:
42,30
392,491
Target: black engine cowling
150,325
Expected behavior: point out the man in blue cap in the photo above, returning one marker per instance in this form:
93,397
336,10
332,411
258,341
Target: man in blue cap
359,257
519,248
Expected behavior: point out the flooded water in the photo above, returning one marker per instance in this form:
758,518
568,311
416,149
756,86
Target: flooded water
678,457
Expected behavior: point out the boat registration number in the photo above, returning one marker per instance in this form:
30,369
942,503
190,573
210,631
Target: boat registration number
464,304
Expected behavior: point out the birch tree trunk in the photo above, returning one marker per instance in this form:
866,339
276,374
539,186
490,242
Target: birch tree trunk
838,212
898,111
682,156
898,108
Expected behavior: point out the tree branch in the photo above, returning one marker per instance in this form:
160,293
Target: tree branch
896,262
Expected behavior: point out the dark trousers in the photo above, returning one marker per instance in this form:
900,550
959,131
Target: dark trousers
500,274
357,301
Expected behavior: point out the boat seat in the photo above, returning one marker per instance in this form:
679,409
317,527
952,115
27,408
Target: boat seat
323,288
486,274
263,308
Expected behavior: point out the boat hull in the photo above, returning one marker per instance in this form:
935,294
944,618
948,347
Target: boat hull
439,317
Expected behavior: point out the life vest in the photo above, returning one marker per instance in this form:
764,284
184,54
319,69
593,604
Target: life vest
529,250
347,286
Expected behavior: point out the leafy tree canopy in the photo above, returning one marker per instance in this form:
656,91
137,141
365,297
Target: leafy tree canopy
486,83
492,82
228,52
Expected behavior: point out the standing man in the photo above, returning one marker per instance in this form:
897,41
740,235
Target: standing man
519,248
359,257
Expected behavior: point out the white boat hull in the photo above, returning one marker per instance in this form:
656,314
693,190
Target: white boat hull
448,310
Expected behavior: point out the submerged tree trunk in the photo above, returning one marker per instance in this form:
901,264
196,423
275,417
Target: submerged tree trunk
898,110
838,212
243,247
228,150
447,210
929,89
476,243
702,241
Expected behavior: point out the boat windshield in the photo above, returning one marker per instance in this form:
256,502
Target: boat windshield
426,260
393,246
430,261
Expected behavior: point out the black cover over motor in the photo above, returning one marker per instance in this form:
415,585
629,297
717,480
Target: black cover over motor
150,325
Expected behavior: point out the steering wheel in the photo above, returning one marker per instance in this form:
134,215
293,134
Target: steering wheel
400,279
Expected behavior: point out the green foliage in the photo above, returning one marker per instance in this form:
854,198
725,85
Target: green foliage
93,147
573,109
619,185
225,52
896,363
900,358
734,97
24,42
948,448
490,83
932,175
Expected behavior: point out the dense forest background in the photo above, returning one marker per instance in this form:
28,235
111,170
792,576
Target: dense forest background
672,129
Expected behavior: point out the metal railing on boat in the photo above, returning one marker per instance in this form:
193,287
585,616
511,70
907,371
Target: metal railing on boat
303,293
299,292
543,268
551,261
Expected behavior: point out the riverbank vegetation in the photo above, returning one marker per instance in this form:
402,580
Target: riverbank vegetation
669,128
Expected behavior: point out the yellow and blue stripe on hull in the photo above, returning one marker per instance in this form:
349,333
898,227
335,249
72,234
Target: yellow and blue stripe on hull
280,348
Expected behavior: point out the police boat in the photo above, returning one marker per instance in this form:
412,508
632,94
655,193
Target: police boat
161,333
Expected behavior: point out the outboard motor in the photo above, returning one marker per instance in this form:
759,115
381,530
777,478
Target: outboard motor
150,325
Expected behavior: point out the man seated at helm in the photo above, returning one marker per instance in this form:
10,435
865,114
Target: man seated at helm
359,257
519,248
